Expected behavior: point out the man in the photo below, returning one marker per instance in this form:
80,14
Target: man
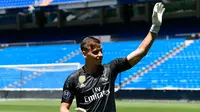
93,84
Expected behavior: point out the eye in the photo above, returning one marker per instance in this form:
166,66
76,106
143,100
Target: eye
95,52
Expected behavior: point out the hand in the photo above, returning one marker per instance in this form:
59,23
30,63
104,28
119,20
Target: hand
80,110
31,8
157,15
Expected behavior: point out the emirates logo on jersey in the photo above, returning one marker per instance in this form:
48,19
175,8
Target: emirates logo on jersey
98,94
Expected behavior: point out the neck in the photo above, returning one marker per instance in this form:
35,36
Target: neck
91,68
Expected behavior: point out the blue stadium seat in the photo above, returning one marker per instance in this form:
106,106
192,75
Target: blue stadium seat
29,55
180,71
48,80
26,3
35,54
113,50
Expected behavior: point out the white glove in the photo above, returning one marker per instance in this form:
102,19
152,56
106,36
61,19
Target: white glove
80,110
31,8
157,15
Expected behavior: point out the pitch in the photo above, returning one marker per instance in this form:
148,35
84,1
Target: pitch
122,106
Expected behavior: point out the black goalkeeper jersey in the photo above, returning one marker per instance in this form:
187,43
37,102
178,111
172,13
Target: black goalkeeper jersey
94,92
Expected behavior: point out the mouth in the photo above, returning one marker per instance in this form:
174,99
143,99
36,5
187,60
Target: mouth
99,60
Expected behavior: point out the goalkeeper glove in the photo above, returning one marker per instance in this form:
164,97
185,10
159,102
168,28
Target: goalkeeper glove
80,110
31,8
157,15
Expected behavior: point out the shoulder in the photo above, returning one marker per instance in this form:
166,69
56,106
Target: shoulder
119,64
115,61
73,76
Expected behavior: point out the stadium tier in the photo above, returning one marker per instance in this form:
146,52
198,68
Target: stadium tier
29,55
35,54
26,3
51,54
47,80
159,49
180,71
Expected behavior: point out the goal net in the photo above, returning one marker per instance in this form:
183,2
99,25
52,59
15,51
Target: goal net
35,76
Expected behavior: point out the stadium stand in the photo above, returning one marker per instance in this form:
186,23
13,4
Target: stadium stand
26,3
47,80
31,55
40,54
155,53
180,71
35,54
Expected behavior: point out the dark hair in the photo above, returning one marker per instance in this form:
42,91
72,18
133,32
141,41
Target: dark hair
89,43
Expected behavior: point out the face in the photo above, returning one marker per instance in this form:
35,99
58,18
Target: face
94,55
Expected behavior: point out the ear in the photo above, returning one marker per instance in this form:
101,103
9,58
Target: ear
84,53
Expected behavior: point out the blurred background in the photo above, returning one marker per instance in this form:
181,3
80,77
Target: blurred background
39,48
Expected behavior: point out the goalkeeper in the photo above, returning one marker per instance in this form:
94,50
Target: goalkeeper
93,84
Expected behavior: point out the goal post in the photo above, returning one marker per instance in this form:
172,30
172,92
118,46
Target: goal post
35,76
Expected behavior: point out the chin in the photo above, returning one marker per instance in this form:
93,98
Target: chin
99,63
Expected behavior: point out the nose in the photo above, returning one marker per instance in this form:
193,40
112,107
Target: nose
100,54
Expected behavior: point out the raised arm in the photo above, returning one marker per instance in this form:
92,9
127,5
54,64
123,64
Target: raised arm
135,56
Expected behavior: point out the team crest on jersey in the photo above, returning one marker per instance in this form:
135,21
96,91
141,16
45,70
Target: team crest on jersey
81,80
104,79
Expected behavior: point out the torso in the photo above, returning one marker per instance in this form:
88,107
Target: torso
96,91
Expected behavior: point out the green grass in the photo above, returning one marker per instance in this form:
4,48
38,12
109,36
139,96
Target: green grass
122,106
